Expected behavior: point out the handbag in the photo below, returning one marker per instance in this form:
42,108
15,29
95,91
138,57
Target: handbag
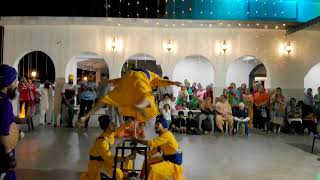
263,112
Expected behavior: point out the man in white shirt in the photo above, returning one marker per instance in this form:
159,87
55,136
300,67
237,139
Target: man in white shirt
166,100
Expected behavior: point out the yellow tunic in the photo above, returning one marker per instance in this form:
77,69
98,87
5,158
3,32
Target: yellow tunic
102,148
159,169
131,89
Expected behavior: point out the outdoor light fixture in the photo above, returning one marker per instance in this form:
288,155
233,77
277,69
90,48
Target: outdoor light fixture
85,78
288,48
224,46
33,74
113,43
169,46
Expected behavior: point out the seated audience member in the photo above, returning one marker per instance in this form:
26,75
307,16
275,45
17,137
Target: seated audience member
181,99
317,105
233,95
194,104
194,87
208,93
183,125
176,124
166,113
166,100
308,113
241,117
294,116
207,112
224,114
200,92
192,124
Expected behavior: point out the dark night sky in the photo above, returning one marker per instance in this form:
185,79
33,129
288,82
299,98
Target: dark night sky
86,8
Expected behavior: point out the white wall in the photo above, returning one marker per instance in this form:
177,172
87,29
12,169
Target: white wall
194,69
238,72
312,79
62,38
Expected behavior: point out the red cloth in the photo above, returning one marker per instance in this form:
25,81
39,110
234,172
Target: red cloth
259,98
27,92
208,94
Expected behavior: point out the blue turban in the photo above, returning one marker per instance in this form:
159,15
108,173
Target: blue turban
7,75
162,121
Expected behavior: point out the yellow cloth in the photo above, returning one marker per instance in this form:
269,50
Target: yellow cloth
131,89
159,169
223,107
102,148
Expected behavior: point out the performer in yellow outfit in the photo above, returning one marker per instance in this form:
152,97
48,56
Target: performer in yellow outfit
101,158
169,164
132,94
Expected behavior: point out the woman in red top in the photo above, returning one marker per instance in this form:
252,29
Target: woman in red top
260,115
27,92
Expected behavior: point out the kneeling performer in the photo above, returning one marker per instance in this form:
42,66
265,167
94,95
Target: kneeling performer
101,158
169,165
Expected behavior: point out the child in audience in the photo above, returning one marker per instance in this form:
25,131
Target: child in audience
176,124
241,116
192,124
166,113
183,125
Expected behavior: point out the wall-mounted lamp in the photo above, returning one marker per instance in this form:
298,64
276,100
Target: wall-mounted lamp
33,74
85,78
113,44
288,48
224,46
169,46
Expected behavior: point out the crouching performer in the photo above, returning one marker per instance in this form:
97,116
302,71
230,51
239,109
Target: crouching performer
101,158
169,165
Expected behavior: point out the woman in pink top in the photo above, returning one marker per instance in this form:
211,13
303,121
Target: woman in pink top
200,92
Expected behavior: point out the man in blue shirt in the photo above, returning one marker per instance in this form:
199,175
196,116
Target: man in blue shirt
87,97
8,87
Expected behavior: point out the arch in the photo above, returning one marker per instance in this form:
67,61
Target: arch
195,68
37,61
311,79
142,60
87,62
242,71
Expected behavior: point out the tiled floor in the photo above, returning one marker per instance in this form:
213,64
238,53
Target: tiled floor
62,154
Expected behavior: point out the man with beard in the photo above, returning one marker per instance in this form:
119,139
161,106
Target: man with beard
101,157
69,91
8,87
169,165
